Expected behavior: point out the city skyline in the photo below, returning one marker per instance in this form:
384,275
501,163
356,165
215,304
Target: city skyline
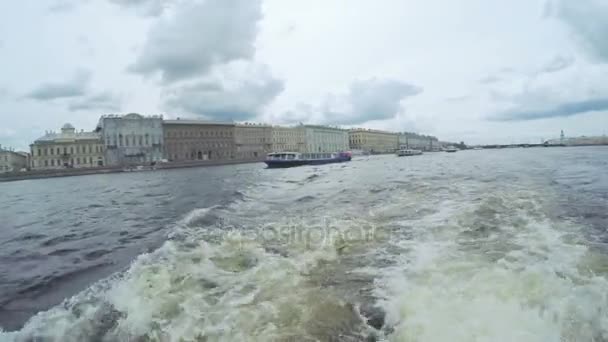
446,70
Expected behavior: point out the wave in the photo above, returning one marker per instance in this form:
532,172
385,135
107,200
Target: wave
499,271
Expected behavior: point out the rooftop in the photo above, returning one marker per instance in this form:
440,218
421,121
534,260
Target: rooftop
196,122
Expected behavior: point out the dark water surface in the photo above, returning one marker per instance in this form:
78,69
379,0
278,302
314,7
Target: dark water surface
492,245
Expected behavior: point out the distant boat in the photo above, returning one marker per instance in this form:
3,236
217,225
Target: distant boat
478,148
451,149
406,152
291,159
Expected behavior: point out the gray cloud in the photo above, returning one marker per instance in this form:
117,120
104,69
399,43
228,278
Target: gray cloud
372,99
62,6
104,101
557,64
71,88
561,110
198,36
146,7
588,20
225,100
490,79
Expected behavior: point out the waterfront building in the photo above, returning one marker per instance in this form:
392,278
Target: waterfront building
67,149
11,161
419,142
132,139
325,139
288,139
373,141
252,141
189,140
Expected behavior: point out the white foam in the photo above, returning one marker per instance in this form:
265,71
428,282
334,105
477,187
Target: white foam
442,291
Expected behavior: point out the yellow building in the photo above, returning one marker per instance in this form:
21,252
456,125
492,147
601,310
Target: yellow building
67,149
373,141
252,141
288,139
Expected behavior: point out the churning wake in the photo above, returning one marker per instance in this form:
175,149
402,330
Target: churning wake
308,256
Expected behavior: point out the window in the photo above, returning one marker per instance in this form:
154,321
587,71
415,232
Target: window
65,150
120,140
147,143
71,150
58,151
46,163
91,160
52,151
77,161
140,141
52,162
45,151
78,149
39,152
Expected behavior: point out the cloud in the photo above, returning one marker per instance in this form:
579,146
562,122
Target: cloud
199,36
71,88
490,79
588,20
557,64
62,6
104,101
232,95
367,100
561,110
151,8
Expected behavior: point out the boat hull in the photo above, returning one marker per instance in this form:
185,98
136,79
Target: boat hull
277,164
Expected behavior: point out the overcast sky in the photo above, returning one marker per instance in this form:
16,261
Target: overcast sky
481,71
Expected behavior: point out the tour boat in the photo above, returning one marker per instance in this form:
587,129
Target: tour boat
451,149
406,152
291,159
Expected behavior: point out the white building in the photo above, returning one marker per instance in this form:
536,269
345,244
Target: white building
325,139
11,161
419,142
288,139
132,139
252,141
67,149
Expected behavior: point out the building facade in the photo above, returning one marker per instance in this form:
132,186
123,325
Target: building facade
191,140
288,139
325,139
132,139
67,149
419,142
252,141
373,141
11,161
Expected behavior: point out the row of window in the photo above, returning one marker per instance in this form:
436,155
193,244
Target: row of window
58,150
73,161
183,134
132,140
203,145
200,155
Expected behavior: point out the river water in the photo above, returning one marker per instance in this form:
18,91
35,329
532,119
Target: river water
492,245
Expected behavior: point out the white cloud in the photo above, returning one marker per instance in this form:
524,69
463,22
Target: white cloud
201,34
237,91
366,100
76,86
146,7
588,20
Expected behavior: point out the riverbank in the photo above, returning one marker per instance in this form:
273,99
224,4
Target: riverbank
39,174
